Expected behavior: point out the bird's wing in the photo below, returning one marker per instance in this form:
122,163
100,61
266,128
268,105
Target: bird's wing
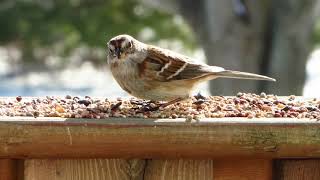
165,65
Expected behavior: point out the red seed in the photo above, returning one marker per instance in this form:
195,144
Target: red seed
18,98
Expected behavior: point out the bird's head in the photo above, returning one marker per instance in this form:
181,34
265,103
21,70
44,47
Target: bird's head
119,47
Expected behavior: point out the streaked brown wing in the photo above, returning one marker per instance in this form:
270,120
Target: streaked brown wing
165,65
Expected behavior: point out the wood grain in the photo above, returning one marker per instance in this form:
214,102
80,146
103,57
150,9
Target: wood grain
297,169
179,169
119,169
8,169
85,169
241,169
161,138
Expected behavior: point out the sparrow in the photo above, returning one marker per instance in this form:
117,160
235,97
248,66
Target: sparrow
153,73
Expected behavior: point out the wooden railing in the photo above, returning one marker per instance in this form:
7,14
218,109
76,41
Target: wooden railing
226,148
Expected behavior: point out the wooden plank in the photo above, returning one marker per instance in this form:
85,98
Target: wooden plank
84,169
241,169
162,138
297,169
179,169
8,169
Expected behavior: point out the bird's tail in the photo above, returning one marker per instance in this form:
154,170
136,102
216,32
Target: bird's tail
242,75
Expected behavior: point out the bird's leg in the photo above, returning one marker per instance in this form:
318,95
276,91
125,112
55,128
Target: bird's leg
200,99
170,102
145,106
148,107
200,96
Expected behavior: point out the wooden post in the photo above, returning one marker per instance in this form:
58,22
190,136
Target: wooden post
297,169
8,169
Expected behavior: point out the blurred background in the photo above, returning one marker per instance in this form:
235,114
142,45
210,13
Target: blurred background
58,47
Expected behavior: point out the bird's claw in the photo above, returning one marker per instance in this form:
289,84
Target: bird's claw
145,106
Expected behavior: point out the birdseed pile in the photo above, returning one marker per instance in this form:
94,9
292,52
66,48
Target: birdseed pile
197,107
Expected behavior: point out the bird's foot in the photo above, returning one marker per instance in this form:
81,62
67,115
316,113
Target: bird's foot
144,105
200,96
199,99
147,106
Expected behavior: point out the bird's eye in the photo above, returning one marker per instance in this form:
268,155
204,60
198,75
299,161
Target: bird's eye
110,50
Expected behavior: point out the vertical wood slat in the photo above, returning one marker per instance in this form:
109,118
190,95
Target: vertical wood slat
209,169
308,169
178,169
84,169
242,169
8,169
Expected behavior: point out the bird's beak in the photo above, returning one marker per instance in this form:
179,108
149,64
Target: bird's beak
118,52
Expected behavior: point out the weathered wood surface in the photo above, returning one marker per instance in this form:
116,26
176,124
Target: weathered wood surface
7,169
98,169
307,169
240,169
11,169
178,169
156,169
147,138
85,169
